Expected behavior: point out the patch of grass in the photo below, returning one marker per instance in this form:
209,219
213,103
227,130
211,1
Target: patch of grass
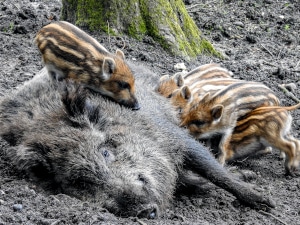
287,27
11,26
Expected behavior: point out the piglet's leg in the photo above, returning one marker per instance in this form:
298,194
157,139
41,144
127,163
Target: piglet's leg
224,146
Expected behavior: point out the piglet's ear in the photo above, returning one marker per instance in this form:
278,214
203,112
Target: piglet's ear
217,112
120,54
178,79
205,98
164,78
186,92
108,68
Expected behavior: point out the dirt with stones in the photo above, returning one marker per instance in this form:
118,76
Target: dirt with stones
260,41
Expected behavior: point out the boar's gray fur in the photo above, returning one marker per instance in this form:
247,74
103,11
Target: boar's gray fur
129,161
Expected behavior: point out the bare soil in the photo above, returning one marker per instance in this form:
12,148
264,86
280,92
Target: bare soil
260,41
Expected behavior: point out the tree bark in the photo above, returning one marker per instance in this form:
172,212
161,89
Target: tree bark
166,21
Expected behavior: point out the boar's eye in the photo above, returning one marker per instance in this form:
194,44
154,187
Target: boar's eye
142,179
105,153
198,123
123,85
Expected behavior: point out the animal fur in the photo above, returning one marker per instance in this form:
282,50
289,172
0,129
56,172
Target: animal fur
70,53
129,161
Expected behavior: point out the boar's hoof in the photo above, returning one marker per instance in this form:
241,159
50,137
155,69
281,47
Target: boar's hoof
149,212
258,201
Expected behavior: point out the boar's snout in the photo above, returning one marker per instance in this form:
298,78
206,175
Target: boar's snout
150,212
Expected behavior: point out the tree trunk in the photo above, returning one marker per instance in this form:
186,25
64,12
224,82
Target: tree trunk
166,21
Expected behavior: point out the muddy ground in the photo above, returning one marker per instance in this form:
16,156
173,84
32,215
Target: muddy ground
260,41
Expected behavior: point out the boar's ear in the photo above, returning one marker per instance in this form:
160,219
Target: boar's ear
178,79
120,54
21,155
186,92
108,68
164,78
217,111
73,97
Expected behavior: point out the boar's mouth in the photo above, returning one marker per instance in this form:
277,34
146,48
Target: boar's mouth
149,212
125,207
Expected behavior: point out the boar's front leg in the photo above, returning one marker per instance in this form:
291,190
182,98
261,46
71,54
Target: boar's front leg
201,162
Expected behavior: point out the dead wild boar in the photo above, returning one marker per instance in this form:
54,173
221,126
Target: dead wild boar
129,161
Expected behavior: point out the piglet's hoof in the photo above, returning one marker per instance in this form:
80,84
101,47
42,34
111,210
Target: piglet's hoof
291,174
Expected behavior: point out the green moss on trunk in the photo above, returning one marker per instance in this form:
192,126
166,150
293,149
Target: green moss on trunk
167,22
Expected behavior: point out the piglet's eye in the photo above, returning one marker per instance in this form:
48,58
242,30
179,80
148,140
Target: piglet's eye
123,85
198,123
170,95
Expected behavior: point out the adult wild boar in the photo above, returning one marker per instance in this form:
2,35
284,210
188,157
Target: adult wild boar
129,161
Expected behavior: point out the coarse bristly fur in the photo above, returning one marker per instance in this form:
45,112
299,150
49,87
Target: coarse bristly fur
207,72
219,113
167,84
268,126
236,99
208,78
212,78
130,162
70,53
203,79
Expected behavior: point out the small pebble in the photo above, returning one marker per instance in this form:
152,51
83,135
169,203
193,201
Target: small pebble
297,122
238,23
17,207
251,39
152,215
19,29
32,192
41,6
179,66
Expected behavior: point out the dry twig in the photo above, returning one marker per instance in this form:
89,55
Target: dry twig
55,222
269,64
297,64
193,6
108,34
270,214
188,8
267,50
141,222
288,93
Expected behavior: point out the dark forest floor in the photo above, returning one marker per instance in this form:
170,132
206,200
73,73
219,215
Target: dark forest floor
260,41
